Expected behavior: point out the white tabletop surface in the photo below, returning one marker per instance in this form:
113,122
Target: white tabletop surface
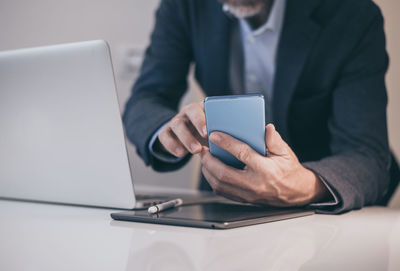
36,236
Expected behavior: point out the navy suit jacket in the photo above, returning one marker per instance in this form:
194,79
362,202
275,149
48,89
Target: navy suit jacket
329,99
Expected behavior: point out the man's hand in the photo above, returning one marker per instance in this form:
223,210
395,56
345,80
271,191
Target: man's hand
186,132
278,179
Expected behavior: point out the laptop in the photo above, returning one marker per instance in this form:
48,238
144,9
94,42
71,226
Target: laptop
62,139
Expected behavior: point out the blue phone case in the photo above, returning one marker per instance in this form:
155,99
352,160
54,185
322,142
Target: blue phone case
241,116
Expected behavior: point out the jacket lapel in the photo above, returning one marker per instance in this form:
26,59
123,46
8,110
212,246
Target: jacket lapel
217,51
298,35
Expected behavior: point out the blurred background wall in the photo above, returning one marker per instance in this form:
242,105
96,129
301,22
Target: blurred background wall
126,25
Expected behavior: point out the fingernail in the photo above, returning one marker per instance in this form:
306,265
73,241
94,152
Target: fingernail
204,131
215,137
178,151
194,147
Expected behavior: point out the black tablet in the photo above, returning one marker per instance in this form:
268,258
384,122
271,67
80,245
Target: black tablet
213,215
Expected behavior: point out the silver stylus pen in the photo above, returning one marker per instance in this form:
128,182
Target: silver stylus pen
164,206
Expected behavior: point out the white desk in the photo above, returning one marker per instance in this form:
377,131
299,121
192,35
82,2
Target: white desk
51,237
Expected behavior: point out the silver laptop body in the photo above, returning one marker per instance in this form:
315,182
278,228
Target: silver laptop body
61,136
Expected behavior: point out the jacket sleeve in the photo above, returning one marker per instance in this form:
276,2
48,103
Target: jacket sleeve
162,81
358,169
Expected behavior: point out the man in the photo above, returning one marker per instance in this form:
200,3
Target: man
321,66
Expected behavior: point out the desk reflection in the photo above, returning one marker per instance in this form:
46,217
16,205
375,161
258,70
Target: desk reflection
319,242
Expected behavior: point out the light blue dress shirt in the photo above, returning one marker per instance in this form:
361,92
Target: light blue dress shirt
260,48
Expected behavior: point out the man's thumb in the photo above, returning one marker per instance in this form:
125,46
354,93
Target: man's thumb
274,141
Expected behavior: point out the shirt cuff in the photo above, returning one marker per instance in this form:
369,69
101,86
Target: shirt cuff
161,155
334,198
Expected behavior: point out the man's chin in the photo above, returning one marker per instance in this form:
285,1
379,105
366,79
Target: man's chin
243,11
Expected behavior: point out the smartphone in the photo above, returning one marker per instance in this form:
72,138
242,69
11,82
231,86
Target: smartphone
241,116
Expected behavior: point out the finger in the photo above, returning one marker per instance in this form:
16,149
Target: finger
180,129
222,172
237,148
223,189
204,151
171,143
203,140
197,117
275,144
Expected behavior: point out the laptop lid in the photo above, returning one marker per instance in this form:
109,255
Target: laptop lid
61,134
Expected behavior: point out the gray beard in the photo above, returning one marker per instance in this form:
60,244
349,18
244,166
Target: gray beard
242,12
